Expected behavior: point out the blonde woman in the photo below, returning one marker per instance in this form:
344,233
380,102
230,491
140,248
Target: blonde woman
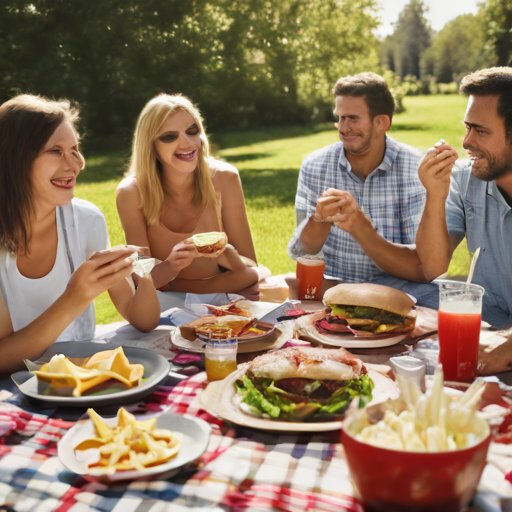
174,190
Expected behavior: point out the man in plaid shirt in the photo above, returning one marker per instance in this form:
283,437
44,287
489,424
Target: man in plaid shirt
362,190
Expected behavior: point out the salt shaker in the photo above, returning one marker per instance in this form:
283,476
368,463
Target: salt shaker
411,368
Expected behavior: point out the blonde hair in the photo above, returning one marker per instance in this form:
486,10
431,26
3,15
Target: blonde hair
144,163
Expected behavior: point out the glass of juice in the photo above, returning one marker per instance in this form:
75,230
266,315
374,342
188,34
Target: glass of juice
459,322
310,274
220,358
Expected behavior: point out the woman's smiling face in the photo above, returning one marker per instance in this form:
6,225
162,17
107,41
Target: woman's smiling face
178,142
55,169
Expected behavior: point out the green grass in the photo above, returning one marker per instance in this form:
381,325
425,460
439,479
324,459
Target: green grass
269,162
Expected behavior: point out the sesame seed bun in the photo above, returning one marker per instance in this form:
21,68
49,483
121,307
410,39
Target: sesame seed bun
370,296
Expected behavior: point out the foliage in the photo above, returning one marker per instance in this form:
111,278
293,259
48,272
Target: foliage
269,161
498,18
457,49
410,39
245,62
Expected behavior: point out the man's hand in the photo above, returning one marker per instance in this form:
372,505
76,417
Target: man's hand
328,204
435,169
348,216
495,359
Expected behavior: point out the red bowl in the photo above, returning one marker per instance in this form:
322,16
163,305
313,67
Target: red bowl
395,481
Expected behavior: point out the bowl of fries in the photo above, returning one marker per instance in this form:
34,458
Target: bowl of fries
419,452
127,447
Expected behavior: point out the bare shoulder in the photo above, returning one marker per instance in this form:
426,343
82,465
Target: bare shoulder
221,169
128,189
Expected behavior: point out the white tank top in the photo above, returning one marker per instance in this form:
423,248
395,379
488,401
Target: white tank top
28,298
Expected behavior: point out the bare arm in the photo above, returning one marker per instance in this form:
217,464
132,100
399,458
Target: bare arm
100,272
140,307
395,259
237,278
234,215
433,244
128,205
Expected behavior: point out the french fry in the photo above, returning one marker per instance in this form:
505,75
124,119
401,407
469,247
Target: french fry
435,423
132,445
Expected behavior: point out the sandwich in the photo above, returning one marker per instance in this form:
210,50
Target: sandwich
217,327
366,310
303,384
210,245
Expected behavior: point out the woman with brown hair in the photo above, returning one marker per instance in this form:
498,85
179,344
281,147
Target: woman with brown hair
175,190
54,255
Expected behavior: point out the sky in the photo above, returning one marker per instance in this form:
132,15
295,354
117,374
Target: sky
439,13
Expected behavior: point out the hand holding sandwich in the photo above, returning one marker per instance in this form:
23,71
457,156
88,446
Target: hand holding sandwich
182,256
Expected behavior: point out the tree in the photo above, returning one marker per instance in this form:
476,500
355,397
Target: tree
412,38
498,15
457,49
244,62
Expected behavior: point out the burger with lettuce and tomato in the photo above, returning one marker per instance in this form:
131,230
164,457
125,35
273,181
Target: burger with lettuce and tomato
366,309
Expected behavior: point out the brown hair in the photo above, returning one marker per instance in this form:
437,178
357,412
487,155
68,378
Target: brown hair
493,82
370,86
26,124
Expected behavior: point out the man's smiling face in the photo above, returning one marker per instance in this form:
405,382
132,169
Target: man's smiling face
355,126
486,138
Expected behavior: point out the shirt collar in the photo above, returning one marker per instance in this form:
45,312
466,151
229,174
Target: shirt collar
390,154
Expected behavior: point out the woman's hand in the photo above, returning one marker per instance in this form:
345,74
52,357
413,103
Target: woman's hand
251,292
100,272
436,167
182,255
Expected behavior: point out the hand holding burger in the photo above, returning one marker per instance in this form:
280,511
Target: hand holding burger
210,245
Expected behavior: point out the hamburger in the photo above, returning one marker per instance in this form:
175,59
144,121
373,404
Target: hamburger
210,245
367,310
303,384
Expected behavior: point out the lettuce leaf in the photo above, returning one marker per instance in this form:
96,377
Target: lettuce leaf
271,401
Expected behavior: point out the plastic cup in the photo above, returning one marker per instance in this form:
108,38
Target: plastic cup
220,358
459,322
310,274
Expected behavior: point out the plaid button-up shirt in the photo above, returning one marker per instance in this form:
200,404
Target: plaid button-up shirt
392,196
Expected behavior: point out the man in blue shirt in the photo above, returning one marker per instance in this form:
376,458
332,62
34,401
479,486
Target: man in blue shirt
476,202
370,175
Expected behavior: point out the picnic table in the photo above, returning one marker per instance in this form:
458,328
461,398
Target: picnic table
243,469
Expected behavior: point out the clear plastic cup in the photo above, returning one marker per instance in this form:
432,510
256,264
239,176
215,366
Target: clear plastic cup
310,274
220,358
459,323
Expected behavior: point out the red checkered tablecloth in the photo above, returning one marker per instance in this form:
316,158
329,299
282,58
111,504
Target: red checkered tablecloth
242,469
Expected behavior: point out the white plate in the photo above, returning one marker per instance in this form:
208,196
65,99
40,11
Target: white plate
156,369
347,339
194,433
219,398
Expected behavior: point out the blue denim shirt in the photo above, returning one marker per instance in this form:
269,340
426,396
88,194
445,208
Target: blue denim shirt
476,209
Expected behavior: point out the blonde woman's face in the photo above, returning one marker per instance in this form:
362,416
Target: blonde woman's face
178,142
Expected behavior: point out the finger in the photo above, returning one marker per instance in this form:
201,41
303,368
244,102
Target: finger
112,279
113,267
325,201
100,258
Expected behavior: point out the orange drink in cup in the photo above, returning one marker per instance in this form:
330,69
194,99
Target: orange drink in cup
459,322
310,274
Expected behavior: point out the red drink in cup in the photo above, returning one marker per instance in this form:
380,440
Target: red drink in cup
459,322
310,274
